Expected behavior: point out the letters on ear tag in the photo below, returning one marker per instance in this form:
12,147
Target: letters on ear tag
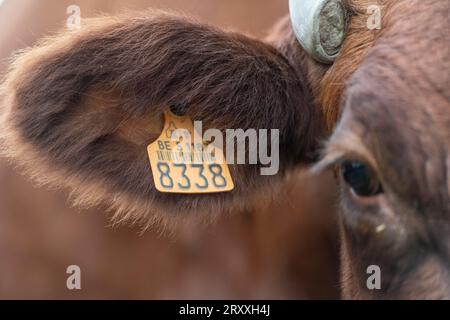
182,162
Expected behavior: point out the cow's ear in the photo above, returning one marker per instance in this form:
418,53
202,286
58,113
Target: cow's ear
80,109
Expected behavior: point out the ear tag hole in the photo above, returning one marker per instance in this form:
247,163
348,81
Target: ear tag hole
179,109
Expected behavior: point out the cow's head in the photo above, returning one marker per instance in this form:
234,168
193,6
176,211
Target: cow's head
79,109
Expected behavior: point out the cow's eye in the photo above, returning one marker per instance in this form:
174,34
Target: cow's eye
320,27
361,178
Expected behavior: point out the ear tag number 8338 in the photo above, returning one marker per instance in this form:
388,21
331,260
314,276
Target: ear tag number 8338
180,165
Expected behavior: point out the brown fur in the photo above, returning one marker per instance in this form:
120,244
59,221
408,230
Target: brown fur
119,104
327,83
396,118
398,82
82,107
77,108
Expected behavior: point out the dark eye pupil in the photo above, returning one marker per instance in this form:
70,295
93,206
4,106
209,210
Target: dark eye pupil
360,178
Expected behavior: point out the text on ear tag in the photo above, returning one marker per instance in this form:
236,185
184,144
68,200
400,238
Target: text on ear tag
181,162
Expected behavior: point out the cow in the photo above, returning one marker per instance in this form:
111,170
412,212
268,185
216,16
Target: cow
80,108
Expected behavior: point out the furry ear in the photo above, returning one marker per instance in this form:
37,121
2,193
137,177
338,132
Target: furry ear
80,108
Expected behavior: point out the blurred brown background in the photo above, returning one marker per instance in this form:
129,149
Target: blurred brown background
286,251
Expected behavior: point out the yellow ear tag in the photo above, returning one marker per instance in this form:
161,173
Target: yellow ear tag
182,162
